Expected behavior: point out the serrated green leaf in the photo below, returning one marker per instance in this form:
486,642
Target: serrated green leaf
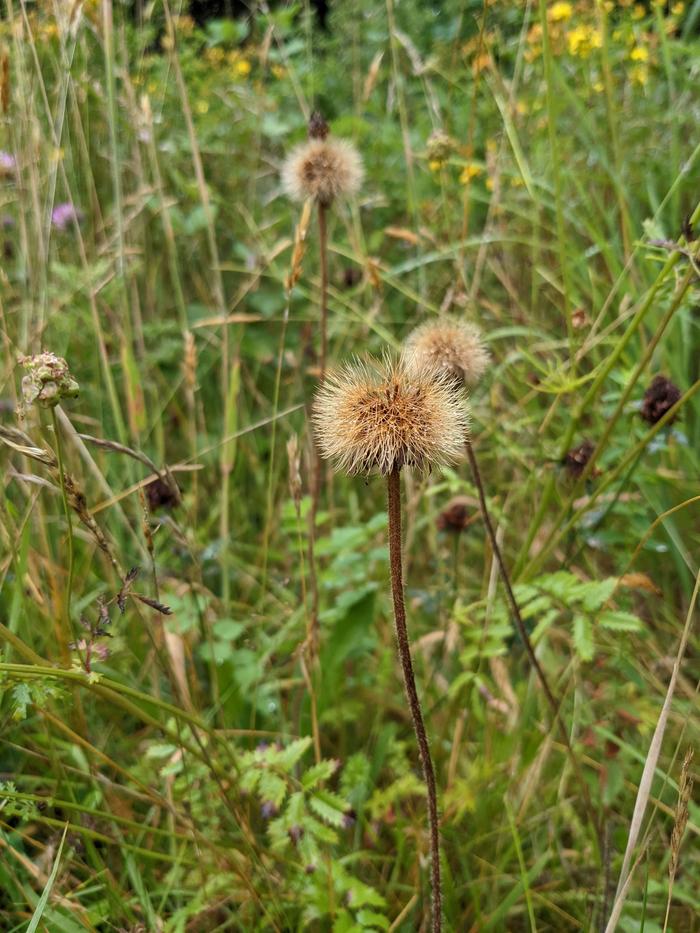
293,752
583,637
596,594
371,920
619,621
272,788
318,773
330,807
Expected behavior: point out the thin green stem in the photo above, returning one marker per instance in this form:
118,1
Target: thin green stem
69,523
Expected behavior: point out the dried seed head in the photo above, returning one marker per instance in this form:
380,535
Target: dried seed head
322,169
577,458
379,416
661,395
318,128
48,380
450,346
455,516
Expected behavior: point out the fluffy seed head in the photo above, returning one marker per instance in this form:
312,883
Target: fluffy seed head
322,169
380,415
450,346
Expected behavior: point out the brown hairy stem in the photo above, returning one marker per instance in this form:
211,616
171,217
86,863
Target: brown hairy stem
525,638
323,248
394,510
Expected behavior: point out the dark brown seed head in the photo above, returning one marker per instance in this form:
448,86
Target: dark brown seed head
576,459
661,396
318,128
162,494
455,516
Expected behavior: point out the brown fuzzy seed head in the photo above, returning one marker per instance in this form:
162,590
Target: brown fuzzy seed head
379,416
450,346
322,169
577,458
456,515
661,395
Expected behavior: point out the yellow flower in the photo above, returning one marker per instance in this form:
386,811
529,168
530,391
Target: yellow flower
470,170
435,165
598,87
490,184
201,106
677,8
278,71
560,11
581,40
639,54
242,68
639,75
638,11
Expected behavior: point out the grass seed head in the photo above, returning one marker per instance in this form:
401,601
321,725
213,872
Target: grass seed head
322,169
450,346
382,415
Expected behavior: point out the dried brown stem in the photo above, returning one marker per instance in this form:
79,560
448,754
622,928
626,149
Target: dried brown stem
323,249
394,510
525,638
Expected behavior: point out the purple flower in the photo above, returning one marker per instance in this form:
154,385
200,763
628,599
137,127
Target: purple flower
8,163
64,214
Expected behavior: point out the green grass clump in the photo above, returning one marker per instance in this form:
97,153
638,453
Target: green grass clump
181,747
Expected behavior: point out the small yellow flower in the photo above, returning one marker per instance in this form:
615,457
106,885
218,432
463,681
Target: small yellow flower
639,75
639,54
678,8
435,165
470,170
598,87
490,184
560,12
582,40
202,106
278,71
243,68
638,12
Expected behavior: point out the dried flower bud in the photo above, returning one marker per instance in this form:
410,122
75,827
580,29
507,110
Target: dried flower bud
318,127
455,516
576,459
378,416
162,494
440,146
661,396
322,169
449,345
48,380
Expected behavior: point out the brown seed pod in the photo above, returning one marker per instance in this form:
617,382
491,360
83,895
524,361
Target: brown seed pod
661,396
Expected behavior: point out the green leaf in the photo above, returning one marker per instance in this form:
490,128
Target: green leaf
21,701
330,807
43,900
583,637
290,755
227,629
620,621
596,594
370,920
316,774
272,788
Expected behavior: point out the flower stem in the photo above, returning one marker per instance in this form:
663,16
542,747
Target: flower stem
525,638
69,522
394,510
323,250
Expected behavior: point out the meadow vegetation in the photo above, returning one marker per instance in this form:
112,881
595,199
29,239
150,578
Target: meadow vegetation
203,723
